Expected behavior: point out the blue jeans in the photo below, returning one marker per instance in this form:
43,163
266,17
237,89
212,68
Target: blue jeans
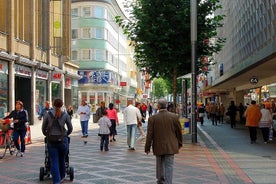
164,169
131,133
21,134
57,153
84,127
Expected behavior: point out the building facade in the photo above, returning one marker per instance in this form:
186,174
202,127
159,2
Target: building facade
35,51
247,62
103,54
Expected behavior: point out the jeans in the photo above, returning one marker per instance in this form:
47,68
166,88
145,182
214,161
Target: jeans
21,134
131,133
57,154
164,169
104,142
84,127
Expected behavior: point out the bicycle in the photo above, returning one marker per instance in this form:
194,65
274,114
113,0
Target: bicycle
6,142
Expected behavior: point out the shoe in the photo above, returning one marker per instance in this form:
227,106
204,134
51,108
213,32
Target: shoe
265,142
132,149
101,148
22,154
62,180
18,153
110,140
106,150
114,139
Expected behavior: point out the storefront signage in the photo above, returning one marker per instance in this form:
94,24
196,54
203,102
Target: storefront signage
123,83
3,67
254,80
23,70
68,83
56,76
42,74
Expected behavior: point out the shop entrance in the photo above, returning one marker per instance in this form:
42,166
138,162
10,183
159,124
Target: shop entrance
23,93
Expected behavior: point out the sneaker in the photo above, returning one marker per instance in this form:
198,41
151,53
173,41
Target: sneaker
114,139
132,149
18,153
22,154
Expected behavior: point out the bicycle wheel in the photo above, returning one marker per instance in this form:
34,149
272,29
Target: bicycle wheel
3,145
11,146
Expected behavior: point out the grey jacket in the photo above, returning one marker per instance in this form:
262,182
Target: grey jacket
64,119
164,134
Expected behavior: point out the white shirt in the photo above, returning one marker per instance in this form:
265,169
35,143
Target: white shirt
84,109
131,114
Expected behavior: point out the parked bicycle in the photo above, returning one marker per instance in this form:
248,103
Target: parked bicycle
6,140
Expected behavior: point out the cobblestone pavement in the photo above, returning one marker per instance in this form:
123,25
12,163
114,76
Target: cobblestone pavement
207,161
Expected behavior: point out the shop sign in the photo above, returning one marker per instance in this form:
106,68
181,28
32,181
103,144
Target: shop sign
42,74
68,83
56,76
123,83
23,70
254,80
3,67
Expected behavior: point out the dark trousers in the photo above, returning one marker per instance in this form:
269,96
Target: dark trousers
265,133
104,142
253,133
233,121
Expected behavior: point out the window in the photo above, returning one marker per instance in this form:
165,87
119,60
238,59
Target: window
74,55
86,54
75,12
74,33
99,12
86,33
99,33
86,12
99,55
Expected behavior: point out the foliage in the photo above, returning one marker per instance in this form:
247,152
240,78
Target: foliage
159,88
159,30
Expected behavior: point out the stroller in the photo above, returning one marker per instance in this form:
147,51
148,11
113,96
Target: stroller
46,170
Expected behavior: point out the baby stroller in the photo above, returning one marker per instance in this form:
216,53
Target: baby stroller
46,170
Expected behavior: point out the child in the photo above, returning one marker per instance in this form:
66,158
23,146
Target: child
104,131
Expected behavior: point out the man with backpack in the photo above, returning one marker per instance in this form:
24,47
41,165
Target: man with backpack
53,127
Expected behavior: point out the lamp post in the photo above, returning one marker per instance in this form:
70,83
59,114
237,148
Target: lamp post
193,4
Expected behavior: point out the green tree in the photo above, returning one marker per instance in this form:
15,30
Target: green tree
159,88
160,33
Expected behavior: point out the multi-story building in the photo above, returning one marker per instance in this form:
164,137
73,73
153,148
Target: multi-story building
35,54
102,52
247,61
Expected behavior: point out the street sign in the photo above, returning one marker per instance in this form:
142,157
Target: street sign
254,80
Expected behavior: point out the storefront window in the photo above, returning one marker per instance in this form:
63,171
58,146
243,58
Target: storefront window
40,95
55,90
3,89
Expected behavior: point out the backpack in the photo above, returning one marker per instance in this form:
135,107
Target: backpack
55,129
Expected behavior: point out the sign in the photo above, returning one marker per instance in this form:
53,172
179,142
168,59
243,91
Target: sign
117,101
254,80
123,83
57,76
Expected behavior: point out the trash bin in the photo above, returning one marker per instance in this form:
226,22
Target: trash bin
185,125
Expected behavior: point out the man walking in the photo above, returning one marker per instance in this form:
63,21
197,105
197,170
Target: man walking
131,116
165,137
253,115
84,112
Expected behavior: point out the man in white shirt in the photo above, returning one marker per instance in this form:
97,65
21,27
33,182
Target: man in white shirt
84,112
131,116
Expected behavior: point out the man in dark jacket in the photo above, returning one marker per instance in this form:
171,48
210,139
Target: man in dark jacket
165,137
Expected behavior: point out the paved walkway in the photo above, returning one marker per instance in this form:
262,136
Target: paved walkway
221,156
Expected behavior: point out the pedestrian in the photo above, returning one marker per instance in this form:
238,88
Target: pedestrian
44,110
139,124
84,112
253,116
165,137
131,114
57,150
232,111
104,131
112,115
241,109
221,110
144,108
99,111
213,113
70,111
150,109
265,123
19,117
201,114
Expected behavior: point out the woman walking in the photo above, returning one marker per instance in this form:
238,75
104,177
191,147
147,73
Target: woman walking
265,123
112,115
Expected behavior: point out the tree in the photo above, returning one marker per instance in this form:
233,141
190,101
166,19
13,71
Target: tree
159,88
159,30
